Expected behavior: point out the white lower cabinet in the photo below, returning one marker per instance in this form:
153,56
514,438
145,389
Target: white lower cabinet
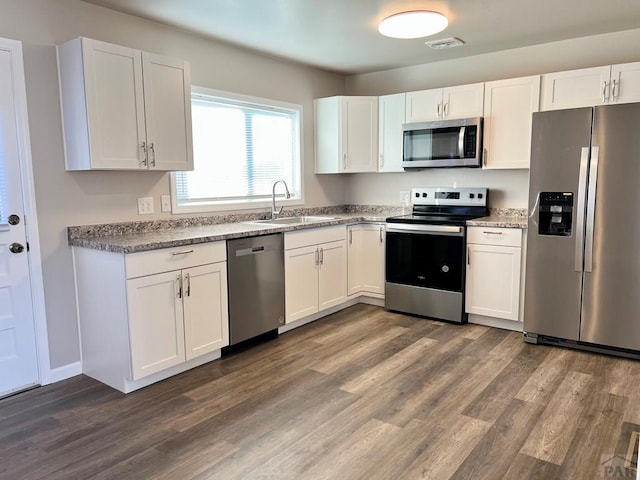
146,316
315,263
494,257
177,316
365,254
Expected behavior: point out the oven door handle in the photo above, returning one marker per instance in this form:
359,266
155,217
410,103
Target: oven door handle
426,229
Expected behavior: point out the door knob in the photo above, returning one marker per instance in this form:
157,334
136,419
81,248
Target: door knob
16,248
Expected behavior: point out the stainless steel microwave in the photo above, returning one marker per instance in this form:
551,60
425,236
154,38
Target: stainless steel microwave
446,143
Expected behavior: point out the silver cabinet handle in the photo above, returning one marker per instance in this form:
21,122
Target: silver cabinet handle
322,256
484,157
381,160
582,195
614,88
152,162
591,210
350,237
182,252
468,256
604,91
317,257
344,161
439,108
179,285
188,279
381,235
492,233
445,110
145,153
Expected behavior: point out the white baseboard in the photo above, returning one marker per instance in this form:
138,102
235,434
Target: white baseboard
65,371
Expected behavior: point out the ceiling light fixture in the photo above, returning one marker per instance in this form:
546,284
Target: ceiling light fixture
413,24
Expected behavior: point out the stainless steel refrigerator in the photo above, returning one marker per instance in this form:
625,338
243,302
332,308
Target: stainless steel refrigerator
583,237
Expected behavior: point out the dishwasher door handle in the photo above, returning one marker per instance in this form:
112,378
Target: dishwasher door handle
251,251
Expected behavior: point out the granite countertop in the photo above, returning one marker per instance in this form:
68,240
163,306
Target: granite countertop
131,237
502,218
134,237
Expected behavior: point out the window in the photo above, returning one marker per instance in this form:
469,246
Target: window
241,146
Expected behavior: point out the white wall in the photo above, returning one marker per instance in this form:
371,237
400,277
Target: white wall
74,198
508,188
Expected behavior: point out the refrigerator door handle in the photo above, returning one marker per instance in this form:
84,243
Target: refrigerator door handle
591,210
582,195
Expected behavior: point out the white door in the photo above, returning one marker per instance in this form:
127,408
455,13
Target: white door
575,88
354,260
156,322
301,282
360,124
18,355
167,96
625,83
372,259
206,317
115,105
332,274
391,113
463,101
424,105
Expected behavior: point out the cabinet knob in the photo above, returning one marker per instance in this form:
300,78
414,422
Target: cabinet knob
16,248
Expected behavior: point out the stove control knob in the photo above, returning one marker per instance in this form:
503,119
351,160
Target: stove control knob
471,195
445,268
479,195
417,194
424,195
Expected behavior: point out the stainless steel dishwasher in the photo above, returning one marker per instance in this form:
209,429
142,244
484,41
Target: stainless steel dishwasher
256,286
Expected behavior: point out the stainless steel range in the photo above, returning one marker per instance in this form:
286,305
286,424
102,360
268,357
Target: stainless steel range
426,251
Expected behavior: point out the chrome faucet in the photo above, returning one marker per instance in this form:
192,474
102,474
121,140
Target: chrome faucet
275,212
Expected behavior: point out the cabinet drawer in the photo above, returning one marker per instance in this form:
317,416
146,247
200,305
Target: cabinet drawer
495,236
314,236
176,258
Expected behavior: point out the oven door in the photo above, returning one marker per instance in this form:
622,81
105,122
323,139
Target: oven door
428,256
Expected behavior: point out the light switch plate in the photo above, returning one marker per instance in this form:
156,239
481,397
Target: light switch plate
145,205
405,198
165,203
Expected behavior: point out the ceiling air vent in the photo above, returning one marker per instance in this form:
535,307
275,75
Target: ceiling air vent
445,43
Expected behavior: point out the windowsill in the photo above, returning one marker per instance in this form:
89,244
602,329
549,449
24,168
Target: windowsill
232,206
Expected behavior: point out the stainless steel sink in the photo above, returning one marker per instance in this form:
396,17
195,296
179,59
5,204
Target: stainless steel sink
299,220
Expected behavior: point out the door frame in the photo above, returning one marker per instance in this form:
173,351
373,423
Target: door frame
30,212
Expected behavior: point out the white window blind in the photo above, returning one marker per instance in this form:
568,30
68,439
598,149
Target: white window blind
240,147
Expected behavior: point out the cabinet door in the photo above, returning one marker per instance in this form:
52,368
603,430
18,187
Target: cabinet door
115,105
463,101
372,258
625,83
301,282
493,281
328,131
575,88
332,277
167,94
156,323
508,108
206,318
354,259
391,114
360,134
424,105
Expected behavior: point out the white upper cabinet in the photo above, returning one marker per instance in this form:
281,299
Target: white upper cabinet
591,86
124,109
346,134
462,101
508,108
391,113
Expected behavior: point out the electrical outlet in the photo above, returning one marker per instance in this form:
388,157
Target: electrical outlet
145,205
165,203
405,198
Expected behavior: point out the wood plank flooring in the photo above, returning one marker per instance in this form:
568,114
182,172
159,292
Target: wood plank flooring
362,394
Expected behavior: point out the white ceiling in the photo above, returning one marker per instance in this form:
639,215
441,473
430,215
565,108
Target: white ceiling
342,36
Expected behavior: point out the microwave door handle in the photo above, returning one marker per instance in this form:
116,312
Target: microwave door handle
461,142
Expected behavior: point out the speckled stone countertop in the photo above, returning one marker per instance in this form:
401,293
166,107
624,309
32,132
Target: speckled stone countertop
502,218
131,237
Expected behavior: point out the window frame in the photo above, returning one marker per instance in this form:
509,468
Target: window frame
245,204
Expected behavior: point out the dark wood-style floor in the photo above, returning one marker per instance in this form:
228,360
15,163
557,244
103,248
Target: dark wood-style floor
362,394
